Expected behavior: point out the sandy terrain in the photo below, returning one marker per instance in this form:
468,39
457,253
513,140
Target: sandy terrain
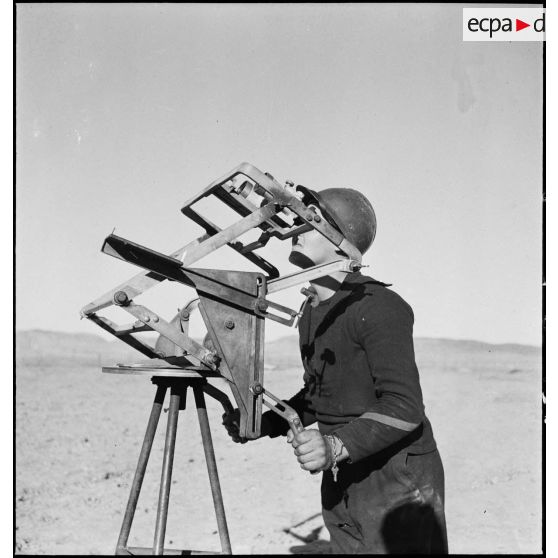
79,433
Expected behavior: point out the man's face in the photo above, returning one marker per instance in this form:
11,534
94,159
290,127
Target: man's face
312,248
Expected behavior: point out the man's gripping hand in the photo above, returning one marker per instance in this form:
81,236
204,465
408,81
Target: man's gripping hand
231,421
311,449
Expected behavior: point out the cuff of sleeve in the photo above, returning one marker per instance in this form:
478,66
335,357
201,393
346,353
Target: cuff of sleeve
350,434
363,437
273,425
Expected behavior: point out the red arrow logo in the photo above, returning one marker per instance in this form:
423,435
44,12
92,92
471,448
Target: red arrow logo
519,25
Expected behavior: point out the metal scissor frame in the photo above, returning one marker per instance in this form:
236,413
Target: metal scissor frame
233,304
240,295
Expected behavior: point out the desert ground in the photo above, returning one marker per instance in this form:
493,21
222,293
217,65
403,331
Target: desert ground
79,432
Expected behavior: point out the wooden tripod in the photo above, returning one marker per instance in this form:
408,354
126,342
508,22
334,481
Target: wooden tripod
178,383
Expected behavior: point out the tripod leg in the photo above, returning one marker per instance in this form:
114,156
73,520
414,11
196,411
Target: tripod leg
166,475
140,469
212,471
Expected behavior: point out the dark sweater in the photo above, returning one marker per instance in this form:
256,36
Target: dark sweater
360,378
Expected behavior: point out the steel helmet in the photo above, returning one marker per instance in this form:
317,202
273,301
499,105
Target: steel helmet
348,211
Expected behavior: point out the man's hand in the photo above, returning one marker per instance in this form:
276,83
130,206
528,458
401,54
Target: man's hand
311,450
231,421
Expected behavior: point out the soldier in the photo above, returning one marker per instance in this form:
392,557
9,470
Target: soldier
383,480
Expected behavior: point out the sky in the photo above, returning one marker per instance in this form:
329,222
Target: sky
125,111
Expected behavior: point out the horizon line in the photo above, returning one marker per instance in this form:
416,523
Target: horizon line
464,340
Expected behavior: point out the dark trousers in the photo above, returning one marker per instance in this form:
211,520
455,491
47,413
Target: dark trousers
389,504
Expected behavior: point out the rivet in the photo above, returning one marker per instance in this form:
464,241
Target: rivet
120,298
257,389
262,305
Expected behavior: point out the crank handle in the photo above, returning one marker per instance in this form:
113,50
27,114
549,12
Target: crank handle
283,410
280,407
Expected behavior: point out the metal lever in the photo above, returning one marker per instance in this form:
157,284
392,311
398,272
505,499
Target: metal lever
282,409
